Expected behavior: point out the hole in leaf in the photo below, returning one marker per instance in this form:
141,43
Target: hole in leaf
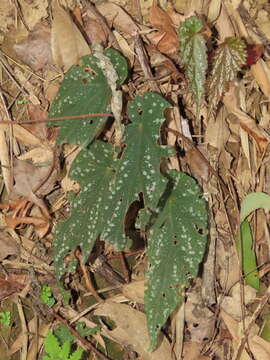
139,110
175,242
201,231
195,325
163,294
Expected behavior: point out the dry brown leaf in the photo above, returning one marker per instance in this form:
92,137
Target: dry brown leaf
8,246
9,287
134,291
127,49
35,50
165,38
41,225
261,73
246,122
6,15
29,179
118,18
95,32
199,319
232,304
213,10
131,329
217,132
36,114
192,351
33,11
160,19
68,44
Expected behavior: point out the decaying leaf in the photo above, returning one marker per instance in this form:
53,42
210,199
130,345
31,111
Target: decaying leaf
68,44
8,246
165,38
35,50
135,335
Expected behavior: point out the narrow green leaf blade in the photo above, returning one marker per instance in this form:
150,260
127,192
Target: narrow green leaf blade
247,254
139,167
93,170
229,58
194,56
176,246
252,202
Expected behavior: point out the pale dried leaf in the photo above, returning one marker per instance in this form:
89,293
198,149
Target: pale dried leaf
217,132
6,15
68,44
35,50
118,18
127,49
33,11
233,304
214,9
135,335
134,291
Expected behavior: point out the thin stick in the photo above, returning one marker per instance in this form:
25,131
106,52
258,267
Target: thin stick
85,342
61,118
24,330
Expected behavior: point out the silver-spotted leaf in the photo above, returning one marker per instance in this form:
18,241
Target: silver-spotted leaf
194,56
176,246
228,59
139,167
93,170
85,90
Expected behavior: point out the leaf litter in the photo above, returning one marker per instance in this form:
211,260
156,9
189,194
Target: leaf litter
227,155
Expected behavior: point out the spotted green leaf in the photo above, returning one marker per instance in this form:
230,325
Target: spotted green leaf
193,55
139,167
176,246
93,170
85,90
228,59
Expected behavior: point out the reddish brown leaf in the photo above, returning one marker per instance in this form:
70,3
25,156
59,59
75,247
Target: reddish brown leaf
8,288
8,246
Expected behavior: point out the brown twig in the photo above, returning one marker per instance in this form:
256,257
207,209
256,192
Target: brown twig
88,283
85,342
61,118
143,60
125,267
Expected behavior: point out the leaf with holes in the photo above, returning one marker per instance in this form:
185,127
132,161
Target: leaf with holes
93,170
85,90
193,55
139,167
175,249
228,59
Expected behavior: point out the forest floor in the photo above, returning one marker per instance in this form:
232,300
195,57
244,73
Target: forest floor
218,121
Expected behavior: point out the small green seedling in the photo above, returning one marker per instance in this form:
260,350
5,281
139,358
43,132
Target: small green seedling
5,318
22,102
54,351
46,296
